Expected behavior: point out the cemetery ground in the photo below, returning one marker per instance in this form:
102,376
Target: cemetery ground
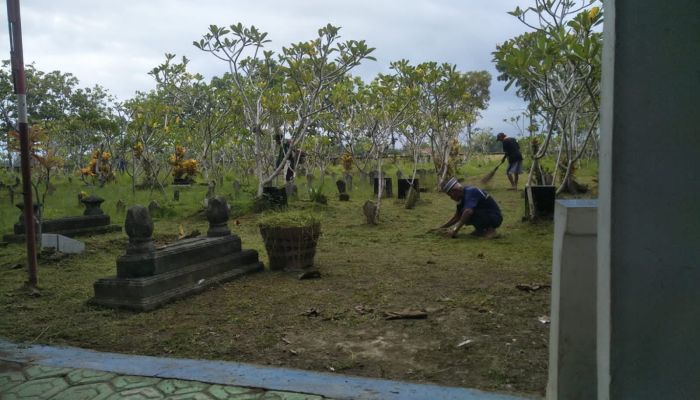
482,329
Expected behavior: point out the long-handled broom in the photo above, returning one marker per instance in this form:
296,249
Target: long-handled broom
487,178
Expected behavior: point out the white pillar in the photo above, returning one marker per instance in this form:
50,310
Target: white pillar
572,337
649,202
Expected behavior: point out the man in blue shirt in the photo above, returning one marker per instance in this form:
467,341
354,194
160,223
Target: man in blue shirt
474,207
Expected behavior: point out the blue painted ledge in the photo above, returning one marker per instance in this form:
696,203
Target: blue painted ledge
238,374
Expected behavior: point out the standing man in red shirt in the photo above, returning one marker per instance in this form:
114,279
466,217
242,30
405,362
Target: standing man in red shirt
515,159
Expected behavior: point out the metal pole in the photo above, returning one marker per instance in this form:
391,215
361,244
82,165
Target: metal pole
18,77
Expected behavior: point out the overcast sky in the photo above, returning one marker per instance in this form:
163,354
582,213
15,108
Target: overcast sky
115,43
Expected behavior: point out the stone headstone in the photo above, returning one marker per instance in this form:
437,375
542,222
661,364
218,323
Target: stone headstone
370,211
176,195
309,179
236,188
35,208
92,205
403,185
121,206
342,194
139,227
19,226
153,207
341,186
363,175
412,198
217,215
348,181
211,189
277,197
62,243
373,175
388,192
334,176
291,189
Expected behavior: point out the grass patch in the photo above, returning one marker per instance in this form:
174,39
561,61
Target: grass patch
288,219
466,285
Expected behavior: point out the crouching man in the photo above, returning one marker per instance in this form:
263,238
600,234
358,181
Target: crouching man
474,207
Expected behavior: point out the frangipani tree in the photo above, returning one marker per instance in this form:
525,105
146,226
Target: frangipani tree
557,69
200,114
390,101
348,120
446,105
283,94
147,138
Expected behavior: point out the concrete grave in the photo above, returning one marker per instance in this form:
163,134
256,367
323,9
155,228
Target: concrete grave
309,179
348,181
291,189
403,186
236,188
539,201
412,198
154,207
121,207
211,189
93,221
388,192
277,197
342,194
148,277
373,175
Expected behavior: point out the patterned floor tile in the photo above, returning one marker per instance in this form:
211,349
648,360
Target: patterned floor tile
38,372
191,396
36,389
84,376
220,392
10,379
92,391
142,393
132,382
274,395
176,386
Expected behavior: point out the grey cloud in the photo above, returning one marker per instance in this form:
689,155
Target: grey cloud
115,43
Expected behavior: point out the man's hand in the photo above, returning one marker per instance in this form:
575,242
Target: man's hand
448,232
